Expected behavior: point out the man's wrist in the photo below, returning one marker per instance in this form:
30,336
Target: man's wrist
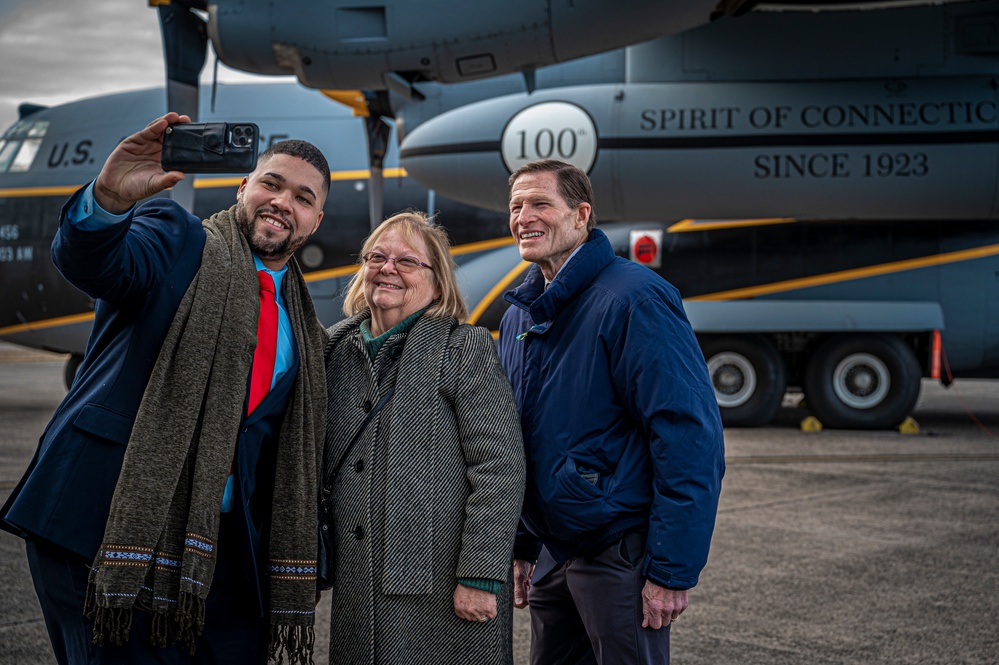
663,586
109,200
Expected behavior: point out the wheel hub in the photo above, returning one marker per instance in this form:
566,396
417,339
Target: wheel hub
733,378
861,381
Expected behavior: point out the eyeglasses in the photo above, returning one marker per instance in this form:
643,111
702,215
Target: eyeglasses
402,263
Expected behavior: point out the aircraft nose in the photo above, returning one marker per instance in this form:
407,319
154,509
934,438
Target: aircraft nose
455,154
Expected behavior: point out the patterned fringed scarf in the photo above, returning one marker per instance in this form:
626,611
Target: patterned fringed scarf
158,553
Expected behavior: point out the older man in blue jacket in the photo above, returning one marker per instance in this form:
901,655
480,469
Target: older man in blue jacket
621,431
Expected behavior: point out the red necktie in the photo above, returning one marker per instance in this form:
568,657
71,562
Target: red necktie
263,358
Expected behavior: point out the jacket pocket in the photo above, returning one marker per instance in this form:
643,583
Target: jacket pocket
104,423
576,506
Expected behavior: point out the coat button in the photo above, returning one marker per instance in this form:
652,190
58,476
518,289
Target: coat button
359,532
359,465
367,406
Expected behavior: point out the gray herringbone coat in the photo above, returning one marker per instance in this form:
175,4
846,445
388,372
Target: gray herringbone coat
431,492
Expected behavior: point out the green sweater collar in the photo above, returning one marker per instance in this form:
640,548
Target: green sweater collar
375,343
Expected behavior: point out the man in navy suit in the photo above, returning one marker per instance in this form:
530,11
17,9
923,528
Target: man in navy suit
138,263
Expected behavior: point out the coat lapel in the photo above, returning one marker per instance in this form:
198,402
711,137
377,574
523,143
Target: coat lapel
415,419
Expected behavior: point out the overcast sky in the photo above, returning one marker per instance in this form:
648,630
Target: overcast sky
55,51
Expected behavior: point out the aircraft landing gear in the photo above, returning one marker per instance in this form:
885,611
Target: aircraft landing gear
862,381
748,376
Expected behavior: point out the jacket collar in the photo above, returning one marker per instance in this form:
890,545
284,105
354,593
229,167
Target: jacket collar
594,255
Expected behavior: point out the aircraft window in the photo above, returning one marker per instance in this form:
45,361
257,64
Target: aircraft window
38,129
26,155
7,154
18,131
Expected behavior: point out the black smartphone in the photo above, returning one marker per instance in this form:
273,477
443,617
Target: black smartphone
211,147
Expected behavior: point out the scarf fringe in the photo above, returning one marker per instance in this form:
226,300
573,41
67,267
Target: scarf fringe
190,619
113,624
297,642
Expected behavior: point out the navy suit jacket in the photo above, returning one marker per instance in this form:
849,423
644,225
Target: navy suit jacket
138,272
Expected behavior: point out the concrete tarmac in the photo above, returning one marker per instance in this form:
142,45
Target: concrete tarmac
831,547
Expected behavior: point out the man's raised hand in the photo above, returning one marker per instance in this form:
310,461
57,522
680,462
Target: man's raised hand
133,172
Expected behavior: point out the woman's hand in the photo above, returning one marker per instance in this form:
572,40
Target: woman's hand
473,604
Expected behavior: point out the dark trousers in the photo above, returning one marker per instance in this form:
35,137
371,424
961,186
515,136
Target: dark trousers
232,634
588,610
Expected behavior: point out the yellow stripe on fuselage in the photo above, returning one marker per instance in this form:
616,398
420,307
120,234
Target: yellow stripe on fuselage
317,276
199,183
856,273
734,294
47,323
494,292
22,192
689,225
481,246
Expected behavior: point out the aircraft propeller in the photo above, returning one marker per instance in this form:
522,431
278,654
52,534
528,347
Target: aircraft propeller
185,49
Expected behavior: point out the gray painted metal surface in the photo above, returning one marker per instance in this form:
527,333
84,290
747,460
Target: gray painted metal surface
856,115
813,316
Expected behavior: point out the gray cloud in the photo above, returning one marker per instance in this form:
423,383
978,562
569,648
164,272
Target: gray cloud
54,51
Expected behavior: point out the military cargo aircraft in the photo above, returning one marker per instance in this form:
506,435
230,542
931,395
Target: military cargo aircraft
868,138
865,137
50,152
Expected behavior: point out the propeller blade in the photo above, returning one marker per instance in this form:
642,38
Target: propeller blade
185,49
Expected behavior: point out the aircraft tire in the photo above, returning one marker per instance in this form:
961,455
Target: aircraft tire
69,372
862,381
748,377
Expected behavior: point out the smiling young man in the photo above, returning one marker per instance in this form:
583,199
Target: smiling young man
621,433
170,507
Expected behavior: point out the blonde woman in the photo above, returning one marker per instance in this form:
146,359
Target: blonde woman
425,467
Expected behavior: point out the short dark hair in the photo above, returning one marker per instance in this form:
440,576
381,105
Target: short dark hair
573,185
305,151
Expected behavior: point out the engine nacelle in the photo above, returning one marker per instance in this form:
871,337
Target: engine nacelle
340,44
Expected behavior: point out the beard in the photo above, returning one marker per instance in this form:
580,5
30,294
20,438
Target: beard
264,247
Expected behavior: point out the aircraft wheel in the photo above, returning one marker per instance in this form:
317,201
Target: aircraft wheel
862,381
69,372
748,377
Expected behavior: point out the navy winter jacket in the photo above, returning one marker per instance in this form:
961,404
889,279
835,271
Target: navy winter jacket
621,427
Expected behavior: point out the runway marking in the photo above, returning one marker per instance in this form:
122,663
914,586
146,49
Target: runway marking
845,459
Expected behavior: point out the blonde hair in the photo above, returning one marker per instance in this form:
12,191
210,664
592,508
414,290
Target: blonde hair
412,224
